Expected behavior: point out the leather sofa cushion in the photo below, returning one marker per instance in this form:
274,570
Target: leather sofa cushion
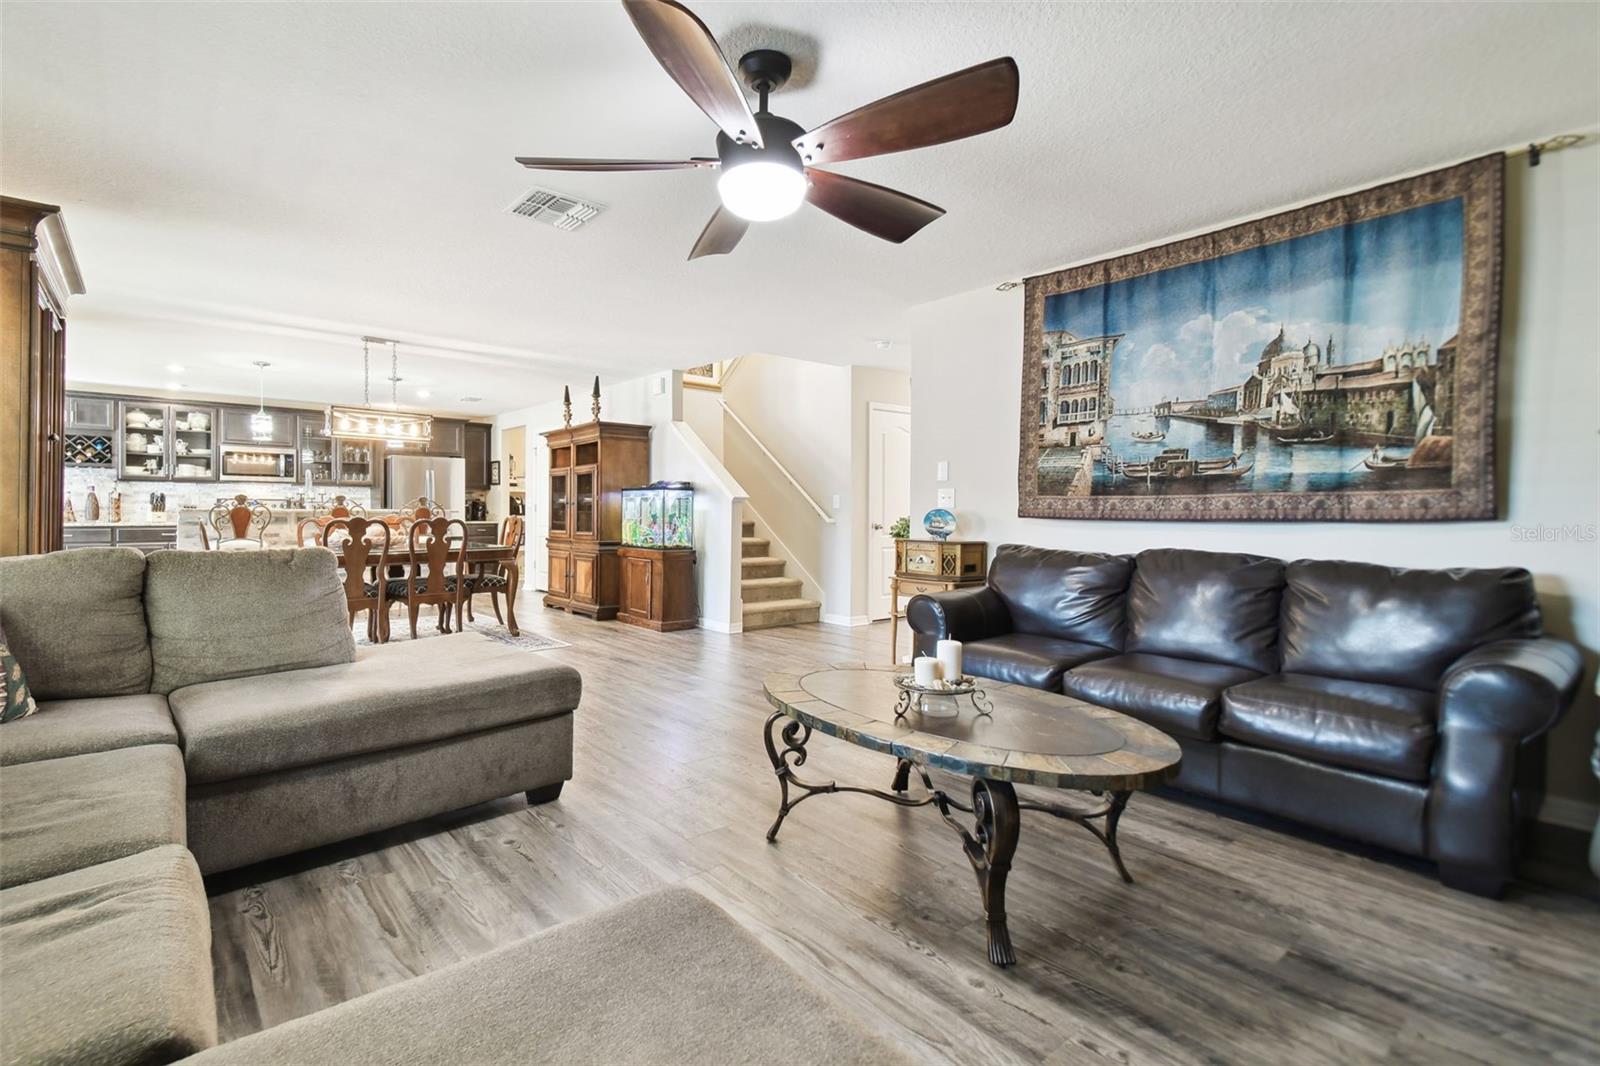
1027,659
216,615
1068,595
75,620
1215,606
77,727
392,696
59,815
1397,626
108,964
1178,696
1381,729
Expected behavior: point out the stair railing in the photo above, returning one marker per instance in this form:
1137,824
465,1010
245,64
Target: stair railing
773,459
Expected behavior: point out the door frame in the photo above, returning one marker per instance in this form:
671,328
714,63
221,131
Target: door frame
873,406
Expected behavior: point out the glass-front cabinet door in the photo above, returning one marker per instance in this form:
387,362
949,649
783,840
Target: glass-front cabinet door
194,443
584,503
316,452
356,463
560,513
143,428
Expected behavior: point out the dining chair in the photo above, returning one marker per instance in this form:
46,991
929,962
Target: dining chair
316,526
362,544
429,580
491,577
344,507
205,538
240,525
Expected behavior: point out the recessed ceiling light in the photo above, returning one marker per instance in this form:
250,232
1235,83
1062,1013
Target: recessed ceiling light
423,394
470,399
883,344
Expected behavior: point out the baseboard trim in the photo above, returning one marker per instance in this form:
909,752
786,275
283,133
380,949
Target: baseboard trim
846,620
721,627
1570,813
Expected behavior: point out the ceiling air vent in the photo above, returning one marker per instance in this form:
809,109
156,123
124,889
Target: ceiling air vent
556,208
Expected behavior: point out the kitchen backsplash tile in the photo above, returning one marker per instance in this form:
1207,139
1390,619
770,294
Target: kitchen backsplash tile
136,494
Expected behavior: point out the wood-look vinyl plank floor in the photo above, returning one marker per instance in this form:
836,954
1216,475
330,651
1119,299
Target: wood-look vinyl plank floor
1238,942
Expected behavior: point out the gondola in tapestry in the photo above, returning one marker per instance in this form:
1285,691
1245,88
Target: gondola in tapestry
1334,362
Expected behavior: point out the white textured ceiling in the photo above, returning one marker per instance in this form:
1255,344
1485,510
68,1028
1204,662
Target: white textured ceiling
269,181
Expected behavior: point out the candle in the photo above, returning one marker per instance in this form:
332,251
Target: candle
925,671
950,659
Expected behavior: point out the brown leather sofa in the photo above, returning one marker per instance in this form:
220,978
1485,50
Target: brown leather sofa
1383,704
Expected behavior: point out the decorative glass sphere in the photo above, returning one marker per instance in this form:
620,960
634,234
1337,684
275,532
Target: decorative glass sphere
939,523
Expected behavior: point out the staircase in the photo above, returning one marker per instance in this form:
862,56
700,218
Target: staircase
770,598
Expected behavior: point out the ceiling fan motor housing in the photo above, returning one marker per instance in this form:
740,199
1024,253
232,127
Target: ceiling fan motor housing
777,133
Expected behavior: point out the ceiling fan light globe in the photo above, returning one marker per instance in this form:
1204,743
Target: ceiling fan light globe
762,190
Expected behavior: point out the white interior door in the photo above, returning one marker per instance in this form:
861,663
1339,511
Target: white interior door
888,496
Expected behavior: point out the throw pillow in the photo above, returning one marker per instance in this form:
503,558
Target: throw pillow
19,701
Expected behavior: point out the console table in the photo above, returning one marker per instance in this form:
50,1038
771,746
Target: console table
928,565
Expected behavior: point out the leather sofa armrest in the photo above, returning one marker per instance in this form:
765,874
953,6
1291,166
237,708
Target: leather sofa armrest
1492,700
1518,688
960,614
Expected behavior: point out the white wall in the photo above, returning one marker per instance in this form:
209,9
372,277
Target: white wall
966,381
676,454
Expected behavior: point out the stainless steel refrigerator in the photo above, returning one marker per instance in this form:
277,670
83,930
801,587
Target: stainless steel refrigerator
439,478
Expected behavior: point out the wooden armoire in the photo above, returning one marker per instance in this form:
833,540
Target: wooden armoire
590,465
37,274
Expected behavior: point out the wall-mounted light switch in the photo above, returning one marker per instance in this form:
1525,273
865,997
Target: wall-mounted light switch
947,499
836,501
944,471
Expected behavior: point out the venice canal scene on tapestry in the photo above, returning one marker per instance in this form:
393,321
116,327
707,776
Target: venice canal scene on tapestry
1322,363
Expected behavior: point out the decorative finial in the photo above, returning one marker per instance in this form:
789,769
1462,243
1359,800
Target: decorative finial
596,407
566,405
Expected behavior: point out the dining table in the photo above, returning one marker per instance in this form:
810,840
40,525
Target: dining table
480,557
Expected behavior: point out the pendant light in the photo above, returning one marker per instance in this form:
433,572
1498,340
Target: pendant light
367,422
261,422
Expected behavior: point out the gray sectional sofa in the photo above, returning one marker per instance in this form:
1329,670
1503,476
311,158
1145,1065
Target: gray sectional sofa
202,711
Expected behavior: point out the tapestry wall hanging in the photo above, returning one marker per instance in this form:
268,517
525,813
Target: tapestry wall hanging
1331,363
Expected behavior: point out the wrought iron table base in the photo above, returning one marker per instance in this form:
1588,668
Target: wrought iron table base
989,845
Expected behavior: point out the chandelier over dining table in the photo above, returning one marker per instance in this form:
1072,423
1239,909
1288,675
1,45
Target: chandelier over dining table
378,423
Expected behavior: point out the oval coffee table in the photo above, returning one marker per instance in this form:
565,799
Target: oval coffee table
1026,736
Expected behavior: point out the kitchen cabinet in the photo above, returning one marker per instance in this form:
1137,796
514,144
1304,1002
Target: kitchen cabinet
91,414
317,451
359,461
236,427
590,465
477,453
91,432
449,437
166,441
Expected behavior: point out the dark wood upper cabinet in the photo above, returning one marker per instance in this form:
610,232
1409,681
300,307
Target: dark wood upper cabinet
91,414
449,437
477,452
236,427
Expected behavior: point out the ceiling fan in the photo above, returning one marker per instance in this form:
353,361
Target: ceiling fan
768,162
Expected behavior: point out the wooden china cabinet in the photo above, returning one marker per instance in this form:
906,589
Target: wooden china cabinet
590,465
37,275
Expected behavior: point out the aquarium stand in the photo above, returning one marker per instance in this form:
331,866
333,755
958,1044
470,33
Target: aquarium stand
658,589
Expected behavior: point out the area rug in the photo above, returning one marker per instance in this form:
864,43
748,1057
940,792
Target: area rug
428,626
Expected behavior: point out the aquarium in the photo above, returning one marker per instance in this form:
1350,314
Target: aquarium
659,515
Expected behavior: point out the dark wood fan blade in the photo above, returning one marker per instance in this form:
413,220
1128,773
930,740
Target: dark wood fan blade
968,102
882,212
721,234
687,51
553,163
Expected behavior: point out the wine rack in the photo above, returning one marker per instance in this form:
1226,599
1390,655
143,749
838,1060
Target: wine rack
90,449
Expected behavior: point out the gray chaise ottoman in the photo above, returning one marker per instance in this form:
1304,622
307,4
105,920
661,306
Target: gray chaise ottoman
665,978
